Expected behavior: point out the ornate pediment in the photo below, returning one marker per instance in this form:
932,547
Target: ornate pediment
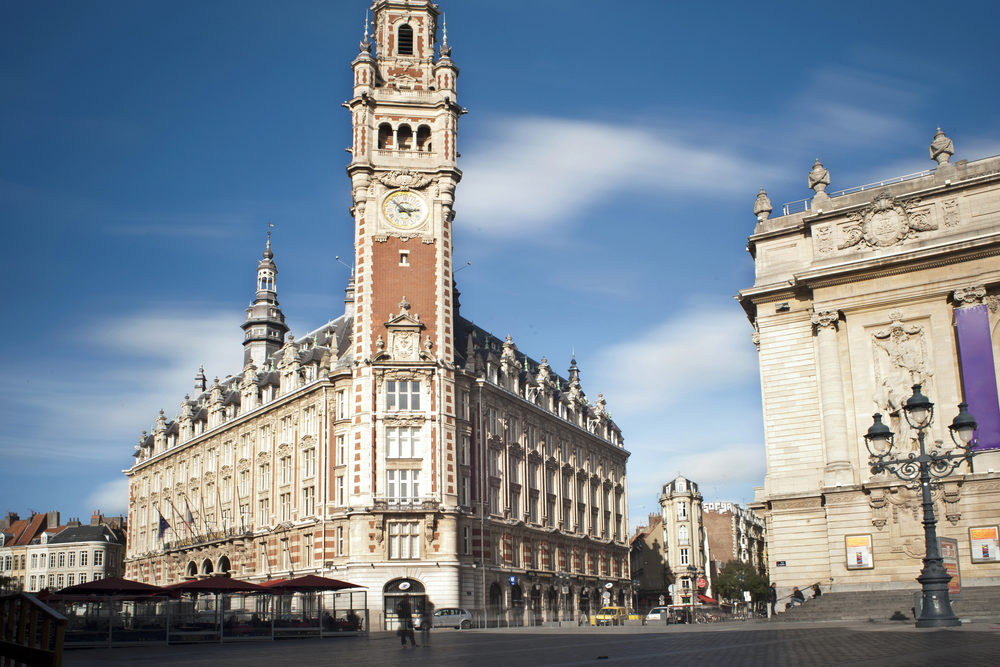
885,222
405,178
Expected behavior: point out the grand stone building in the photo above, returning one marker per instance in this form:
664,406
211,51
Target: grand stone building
859,295
398,446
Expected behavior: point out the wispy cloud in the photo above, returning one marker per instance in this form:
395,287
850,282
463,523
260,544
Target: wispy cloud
110,497
533,173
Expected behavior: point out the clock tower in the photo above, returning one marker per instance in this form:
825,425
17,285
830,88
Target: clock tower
403,175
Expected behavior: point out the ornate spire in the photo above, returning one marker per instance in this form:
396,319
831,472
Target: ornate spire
264,328
200,381
366,45
574,372
445,49
942,148
762,207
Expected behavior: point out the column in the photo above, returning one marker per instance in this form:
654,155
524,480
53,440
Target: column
838,457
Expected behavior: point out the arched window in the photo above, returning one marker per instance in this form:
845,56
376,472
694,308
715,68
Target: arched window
404,135
404,40
423,138
385,135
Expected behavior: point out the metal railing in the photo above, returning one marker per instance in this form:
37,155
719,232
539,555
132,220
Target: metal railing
31,632
801,205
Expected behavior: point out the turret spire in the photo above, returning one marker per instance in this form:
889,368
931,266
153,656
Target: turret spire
265,328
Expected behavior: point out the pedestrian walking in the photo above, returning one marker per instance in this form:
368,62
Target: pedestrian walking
426,621
772,599
404,612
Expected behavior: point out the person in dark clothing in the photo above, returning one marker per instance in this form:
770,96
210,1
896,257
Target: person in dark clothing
405,614
772,598
816,591
797,598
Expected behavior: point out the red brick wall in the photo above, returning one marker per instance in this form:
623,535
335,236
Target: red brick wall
391,282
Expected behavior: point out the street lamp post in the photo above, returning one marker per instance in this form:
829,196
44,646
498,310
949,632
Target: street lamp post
925,468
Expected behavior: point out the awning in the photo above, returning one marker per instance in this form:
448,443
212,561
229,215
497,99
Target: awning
706,599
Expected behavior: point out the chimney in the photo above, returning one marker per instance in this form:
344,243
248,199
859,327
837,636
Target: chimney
9,519
96,519
51,519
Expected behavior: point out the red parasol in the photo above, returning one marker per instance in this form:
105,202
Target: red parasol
216,585
309,582
112,586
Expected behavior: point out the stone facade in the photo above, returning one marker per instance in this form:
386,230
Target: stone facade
399,447
858,295
684,544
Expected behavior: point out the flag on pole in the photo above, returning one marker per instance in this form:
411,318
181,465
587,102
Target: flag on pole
188,517
163,525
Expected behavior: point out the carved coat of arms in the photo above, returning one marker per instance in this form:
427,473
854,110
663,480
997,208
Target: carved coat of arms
886,222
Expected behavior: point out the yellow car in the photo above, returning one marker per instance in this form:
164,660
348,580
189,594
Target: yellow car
611,616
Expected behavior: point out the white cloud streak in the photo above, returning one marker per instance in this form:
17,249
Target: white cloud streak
110,497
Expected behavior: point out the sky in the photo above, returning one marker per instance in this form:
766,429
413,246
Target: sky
611,156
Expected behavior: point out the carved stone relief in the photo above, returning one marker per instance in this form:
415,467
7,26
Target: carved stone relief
951,215
405,178
824,239
900,360
886,222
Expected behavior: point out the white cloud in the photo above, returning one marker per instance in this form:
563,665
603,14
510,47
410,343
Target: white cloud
693,352
536,172
110,497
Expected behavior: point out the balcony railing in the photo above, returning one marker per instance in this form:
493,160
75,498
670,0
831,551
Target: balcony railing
801,205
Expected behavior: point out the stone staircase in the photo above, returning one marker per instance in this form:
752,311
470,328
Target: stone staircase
974,604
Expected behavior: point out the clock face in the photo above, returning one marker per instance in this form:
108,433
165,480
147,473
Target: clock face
404,209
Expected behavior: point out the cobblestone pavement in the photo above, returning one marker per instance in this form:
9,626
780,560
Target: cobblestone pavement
729,644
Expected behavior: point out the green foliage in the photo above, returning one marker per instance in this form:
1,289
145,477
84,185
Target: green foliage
736,577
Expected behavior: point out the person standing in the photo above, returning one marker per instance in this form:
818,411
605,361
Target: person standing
404,612
772,598
426,621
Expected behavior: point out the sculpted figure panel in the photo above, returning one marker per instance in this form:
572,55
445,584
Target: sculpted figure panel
900,360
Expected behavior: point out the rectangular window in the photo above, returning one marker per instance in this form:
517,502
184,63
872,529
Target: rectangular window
340,540
286,469
309,462
342,404
263,511
463,405
403,442
59,581
466,541
403,486
245,446
309,501
264,477
494,500
551,514
340,490
31,583
464,491
34,560
83,577
307,550
265,437
341,450
243,483
62,559
533,509
286,506
52,560
685,560
463,451
682,510
402,395
83,559
404,540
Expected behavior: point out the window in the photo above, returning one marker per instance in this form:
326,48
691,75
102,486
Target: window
404,540
494,500
342,404
266,437
264,477
402,395
403,486
263,511
533,508
403,442
685,559
340,490
71,559
31,583
463,451
466,541
494,463
405,40
309,462
244,483
34,560
404,257
340,540
463,405
286,429
286,506
62,560
52,560
286,469
551,514
464,491
682,510
307,550
682,535
309,421
59,581
309,500
83,559
341,450
244,446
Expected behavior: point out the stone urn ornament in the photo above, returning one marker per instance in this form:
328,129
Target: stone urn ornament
762,206
942,148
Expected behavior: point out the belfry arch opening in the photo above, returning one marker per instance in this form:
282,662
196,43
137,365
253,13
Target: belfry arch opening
404,40
423,138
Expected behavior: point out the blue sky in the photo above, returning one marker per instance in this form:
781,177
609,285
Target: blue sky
612,155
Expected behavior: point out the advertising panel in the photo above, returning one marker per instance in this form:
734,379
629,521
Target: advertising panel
949,555
985,544
859,552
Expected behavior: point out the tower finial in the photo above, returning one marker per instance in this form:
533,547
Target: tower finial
268,254
365,45
445,49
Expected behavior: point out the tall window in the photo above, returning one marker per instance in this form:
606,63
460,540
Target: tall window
341,450
463,451
466,540
309,462
403,442
402,395
342,404
404,540
464,491
494,500
309,500
286,469
263,511
340,490
83,559
340,540
682,510
264,477
403,486
685,559
98,558
266,437
286,506
405,40
307,550
71,559
244,482
682,534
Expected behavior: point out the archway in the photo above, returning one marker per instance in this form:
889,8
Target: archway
553,604
536,604
224,565
191,571
206,566
393,595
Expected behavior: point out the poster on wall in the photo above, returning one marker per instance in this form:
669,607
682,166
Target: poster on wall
859,552
949,558
985,543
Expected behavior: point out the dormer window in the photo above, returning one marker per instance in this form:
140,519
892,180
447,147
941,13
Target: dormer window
404,37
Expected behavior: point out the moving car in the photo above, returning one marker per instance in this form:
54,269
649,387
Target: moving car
447,617
611,616
657,614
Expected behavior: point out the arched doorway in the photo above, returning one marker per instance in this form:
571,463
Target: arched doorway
516,605
495,606
553,604
536,604
393,595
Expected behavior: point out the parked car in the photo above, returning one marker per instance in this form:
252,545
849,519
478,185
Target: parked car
611,616
657,614
447,617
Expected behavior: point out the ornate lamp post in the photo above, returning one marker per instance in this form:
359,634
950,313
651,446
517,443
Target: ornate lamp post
919,413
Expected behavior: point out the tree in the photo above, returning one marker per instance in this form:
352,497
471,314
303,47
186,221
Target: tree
736,577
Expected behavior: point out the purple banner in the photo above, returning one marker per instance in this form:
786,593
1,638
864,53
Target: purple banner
979,379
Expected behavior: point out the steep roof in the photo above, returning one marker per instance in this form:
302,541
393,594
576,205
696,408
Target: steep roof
86,534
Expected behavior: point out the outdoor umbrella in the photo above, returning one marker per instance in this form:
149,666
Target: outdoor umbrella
217,585
309,582
112,587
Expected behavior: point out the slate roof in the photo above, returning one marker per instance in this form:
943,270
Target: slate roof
86,534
